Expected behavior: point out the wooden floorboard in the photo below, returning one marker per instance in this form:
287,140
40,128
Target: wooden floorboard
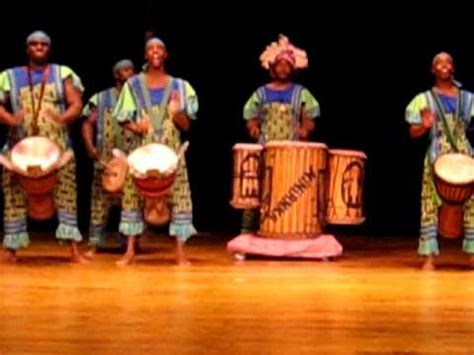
372,300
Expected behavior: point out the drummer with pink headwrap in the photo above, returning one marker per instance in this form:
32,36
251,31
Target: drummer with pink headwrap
281,109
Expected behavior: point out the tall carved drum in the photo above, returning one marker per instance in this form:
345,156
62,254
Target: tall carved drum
293,198
246,188
345,187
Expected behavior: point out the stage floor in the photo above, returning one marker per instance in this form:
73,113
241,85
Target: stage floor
372,300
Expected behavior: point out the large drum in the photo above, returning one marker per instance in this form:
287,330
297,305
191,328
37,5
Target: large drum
36,161
293,196
454,181
246,178
345,187
153,168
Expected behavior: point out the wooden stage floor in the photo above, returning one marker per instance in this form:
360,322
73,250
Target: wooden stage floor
373,300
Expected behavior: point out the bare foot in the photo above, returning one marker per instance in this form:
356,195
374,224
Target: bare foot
9,257
126,259
181,259
428,264
129,255
78,258
91,252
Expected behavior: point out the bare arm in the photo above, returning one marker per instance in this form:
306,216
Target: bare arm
74,103
307,126
142,126
10,119
253,127
177,113
182,121
133,127
88,128
418,130
6,117
427,120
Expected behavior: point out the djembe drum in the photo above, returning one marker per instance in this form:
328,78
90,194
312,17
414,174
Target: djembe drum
36,161
454,180
153,168
246,177
345,187
115,173
293,199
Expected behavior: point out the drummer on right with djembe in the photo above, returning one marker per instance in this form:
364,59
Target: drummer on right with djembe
281,109
444,112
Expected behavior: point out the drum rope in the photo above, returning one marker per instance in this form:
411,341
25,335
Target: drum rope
440,108
156,120
36,110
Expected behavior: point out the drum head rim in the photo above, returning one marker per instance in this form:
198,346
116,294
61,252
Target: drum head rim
248,146
443,178
55,147
348,153
295,144
132,166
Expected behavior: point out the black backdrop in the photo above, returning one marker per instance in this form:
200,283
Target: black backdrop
365,66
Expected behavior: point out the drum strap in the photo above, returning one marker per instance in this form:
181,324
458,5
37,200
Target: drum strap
439,105
110,96
36,110
117,131
156,119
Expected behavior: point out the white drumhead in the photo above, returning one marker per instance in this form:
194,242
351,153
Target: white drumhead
348,153
35,152
247,146
157,157
455,168
295,144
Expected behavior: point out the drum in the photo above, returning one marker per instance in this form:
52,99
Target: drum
153,168
345,187
36,161
115,173
293,190
454,181
246,176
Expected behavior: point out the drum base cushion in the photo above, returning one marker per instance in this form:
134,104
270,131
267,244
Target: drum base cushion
324,246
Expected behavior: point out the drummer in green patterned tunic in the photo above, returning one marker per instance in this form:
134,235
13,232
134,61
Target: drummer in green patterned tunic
101,133
157,107
444,113
44,99
281,109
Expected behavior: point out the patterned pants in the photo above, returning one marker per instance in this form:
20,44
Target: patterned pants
100,207
15,214
181,225
131,218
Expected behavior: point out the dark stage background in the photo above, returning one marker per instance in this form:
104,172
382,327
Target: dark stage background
365,66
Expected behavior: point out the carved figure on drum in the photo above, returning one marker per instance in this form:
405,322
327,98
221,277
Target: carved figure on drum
101,134
44,98
281,109
444,113
157,107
